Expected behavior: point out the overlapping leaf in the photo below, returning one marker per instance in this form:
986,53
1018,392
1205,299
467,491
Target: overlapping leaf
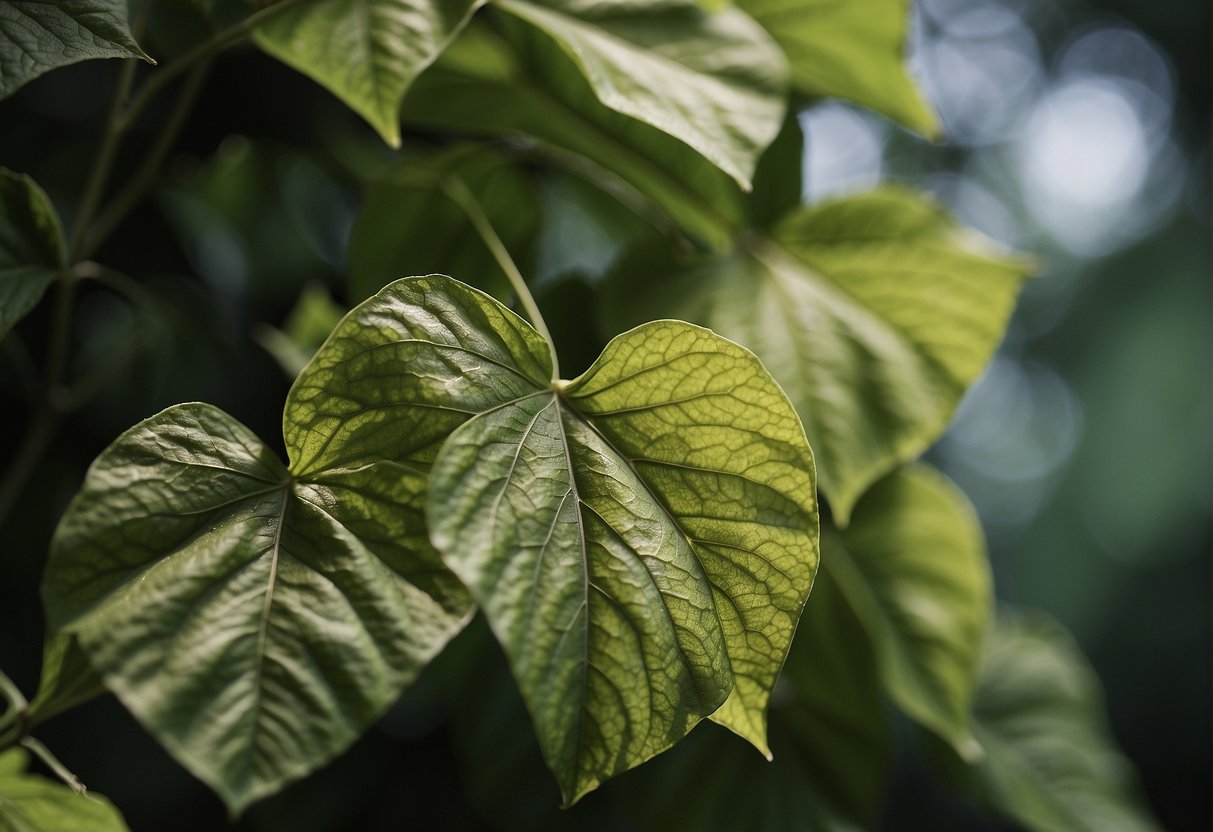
366,52
641,540
913,568
874,312
31,246
849,50
1049,761
37,36
30,803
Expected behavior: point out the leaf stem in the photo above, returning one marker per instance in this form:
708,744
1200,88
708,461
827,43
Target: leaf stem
458,192
52,762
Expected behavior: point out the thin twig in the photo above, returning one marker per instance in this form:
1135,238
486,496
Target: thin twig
52,762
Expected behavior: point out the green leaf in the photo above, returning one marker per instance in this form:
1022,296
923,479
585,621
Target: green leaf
714,81
407,225
849,50
67,679
32,250
641,540
519,82
37,36
366,52
1050,762
255,618
29,803
875,313
307,326
913,567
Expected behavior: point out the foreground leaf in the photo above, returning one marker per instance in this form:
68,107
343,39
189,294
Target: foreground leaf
255,618
713,81
366,52
32,250
1050,762
641,539
37,36
30,803
882,287
849,50
913,568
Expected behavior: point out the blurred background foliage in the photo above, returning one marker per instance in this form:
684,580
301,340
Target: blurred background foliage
1076,131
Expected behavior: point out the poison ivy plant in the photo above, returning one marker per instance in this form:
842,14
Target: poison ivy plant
30,803
883,287
855,51
37,36
913,568
255,618
32,250
366,52
1049,762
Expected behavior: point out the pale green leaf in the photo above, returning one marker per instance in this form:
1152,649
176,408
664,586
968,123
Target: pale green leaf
519,82
30,803
257,619
714,81
1050,762
875,313
366,52
641,539
37,36
32,251
913,567
849,50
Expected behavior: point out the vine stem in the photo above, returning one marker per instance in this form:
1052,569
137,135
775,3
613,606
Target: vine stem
458,192
52,762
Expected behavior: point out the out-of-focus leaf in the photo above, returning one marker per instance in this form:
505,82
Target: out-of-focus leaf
714,81
67,679
30,803
37,36
913,567
641,540
366,52
310,321
849,50
32,250
407,225
875,313
1049,762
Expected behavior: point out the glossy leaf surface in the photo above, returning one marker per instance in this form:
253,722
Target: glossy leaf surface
31,803
37,36
366,52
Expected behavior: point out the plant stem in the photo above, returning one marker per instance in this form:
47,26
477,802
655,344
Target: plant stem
53,763
454,188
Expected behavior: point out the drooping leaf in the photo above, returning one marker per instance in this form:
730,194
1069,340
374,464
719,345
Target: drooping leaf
307,326
831,741
641,540
32,250
255,618
874,312
846,50
37,36
67,679
1049,761
518,82
366,52
407,225
714,81
31,803
913,567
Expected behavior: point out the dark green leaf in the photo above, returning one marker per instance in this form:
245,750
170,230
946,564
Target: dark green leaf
29,803
37,36
874,312
641,540
32,251
366,52
67,679
849,50
1050,762
913,567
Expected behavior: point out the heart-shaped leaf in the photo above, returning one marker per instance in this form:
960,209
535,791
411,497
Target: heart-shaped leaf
875,313
641,539
37,36
366,52
32,251
29,803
